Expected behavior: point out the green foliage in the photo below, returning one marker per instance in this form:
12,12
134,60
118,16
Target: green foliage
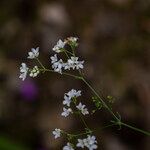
6,144
98,104
110,99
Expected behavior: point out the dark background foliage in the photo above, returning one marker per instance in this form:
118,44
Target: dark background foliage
114,38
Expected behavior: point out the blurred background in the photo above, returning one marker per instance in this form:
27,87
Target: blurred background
114,41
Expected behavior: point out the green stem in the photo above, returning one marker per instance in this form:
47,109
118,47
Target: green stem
73,50
66,54
83,121
64,73
69,53
104,104
40,63
100,129
136,129
80,115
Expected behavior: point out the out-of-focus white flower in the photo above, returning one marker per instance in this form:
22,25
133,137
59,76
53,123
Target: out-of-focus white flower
73,63
23,71
80,143
67,101
67,66
72,39
57,66
73,93
54,59
68,96
90,142
34,53
68,147
79,65
82,108
59,46
66,112
57,133
34,72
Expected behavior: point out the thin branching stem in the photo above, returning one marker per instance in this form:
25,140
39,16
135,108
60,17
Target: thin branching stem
117,119
134,128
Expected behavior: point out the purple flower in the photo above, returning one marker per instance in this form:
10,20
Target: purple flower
29,90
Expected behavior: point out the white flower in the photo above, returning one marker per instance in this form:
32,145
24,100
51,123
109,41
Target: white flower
34,53
67,66
82,108
90,142
57,133
34,72
54,59
74,64
67,101
73,93
68,96
68,147
66,112
80,143
57,48
57,66
79,65
72,39
23,71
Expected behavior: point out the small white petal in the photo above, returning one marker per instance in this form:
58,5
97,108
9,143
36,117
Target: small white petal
80,143
66,112
57,133
23,71
82,108
68,147
34,53
57,48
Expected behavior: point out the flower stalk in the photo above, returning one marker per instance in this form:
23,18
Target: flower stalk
62,67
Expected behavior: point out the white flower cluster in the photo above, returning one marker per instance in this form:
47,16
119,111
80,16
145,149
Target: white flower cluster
71,63
34,72
23,71
34,53
71,94
89,142
57,65
72,39
68,98
57,134
59,47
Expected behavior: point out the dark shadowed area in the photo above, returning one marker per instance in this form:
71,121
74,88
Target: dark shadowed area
114,42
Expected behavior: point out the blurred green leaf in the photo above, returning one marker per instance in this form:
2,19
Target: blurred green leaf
7,144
